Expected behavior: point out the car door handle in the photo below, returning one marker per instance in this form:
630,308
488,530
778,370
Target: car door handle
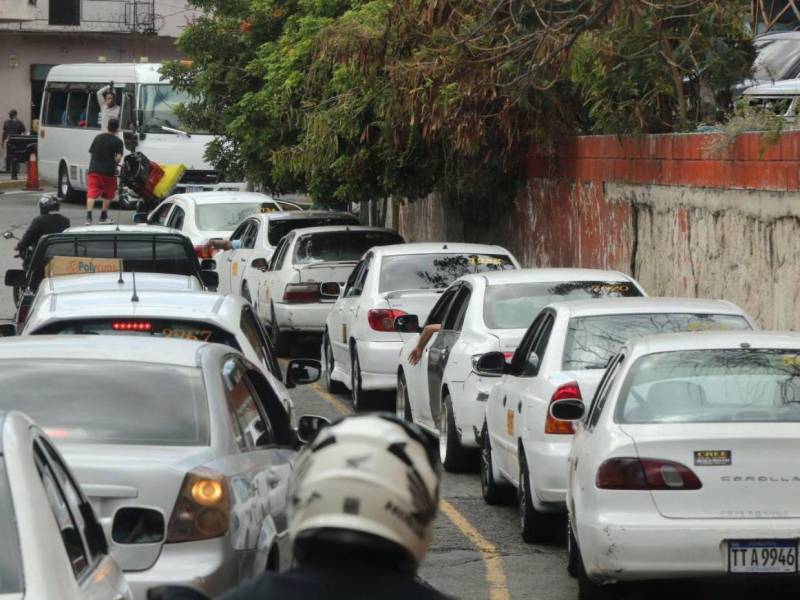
242,259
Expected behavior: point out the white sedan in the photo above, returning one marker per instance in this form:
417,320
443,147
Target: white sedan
360,346
478,314
685,464
563,355
53,545
306,273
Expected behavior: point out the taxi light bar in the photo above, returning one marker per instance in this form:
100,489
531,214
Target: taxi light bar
645,474
132,326
382,319
297,293
568,391
202,510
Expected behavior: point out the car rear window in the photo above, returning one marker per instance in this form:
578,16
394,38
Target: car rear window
713,386
280,227
514,305
592,341
104,402
225,215
10,557
435,271
335,246
164,328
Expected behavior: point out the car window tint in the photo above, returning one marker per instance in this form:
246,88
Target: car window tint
351,280
542,339
455,316
250,428
257,337
160,216
240,230
250,235
278,227
439,310
11,575
361,280
335,246
435,271
277,258
177,217
224,215
287,241
599,400
524,349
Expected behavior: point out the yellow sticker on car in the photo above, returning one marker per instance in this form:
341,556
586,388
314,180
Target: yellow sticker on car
510,421
235,268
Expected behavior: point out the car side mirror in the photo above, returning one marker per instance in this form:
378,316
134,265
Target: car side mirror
330,289
308,426
175,592
568,409
16,278
261,264
140,218
210,279
491,364
138,525
302,371
407,324
208,264
8,330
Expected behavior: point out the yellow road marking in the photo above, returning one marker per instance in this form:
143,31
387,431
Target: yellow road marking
495,575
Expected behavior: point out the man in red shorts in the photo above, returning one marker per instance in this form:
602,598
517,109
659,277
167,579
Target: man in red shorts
106,151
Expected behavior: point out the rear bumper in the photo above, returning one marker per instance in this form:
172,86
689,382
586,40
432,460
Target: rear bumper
547,464
637,547
210,566
379,362
303,317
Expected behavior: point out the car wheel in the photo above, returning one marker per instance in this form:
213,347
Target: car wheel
402,405
494,492
281,340
535,526
572,551
588,589
361,398
65,190
455,458
333,386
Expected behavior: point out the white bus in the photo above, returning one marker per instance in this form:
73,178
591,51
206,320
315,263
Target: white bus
70,120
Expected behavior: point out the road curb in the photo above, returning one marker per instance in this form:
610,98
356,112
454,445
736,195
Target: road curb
12,184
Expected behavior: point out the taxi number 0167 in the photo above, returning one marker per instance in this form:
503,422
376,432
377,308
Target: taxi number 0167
762,556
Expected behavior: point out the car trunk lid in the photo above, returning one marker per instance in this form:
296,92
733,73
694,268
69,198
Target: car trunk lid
324,272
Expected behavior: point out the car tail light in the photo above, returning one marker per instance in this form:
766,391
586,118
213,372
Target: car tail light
508,355
131,326
202,510
301,292
645,474
382,319
205,252
568,391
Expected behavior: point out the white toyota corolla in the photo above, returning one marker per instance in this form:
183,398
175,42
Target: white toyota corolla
685,464
478,314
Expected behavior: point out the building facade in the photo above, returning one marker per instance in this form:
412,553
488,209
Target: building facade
35,35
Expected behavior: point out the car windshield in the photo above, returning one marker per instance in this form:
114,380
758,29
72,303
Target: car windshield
592,341
332,246
777,59
103,402
435,271
158,109
280,227
224,216
712,386
514,305
10,558
164,328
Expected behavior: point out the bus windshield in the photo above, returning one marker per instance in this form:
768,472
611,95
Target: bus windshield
158,104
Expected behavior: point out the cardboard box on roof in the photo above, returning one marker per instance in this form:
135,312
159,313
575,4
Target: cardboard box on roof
81,265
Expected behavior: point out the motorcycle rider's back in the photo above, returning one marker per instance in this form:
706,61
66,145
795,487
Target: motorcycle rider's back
41,226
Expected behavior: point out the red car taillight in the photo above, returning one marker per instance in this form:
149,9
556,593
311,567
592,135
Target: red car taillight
301,292
382,319
202,510
205,252
508,355
568,391
645,474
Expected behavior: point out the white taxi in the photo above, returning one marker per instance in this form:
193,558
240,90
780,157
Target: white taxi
685,464
306,273
360,347
478,314
563,355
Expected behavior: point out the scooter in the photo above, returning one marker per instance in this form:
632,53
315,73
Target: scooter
26,256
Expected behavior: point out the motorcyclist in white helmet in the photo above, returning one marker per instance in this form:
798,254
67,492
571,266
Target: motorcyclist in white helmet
363,499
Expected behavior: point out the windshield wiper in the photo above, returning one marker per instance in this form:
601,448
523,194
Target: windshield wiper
173,130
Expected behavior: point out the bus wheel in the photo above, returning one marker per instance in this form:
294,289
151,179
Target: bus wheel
65,190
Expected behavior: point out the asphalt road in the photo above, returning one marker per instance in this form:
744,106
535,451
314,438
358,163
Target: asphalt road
477,552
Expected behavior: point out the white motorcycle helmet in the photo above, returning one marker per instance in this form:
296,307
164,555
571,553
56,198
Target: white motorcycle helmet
368,483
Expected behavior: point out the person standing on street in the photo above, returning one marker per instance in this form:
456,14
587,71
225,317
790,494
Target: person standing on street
12,126
49,221
106,151
109,109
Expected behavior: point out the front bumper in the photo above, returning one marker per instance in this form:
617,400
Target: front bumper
379,362
210,566
303,317
635,547
469,408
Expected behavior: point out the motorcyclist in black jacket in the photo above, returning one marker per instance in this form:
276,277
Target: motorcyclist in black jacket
48,221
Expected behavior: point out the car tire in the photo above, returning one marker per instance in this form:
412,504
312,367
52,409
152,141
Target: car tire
331,385
282,341
494,492
65,189
573,556
535,526
402,407
588,589
361,398
455,458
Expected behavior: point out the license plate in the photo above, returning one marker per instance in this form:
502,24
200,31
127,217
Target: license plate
762,556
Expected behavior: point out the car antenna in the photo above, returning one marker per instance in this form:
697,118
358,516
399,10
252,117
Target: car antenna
120,280
135,297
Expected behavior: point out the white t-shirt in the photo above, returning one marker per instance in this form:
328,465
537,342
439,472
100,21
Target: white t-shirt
107,113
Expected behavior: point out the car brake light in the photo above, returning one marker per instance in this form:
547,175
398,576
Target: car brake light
568,391
508,355
202,510
205,252
131,326
645,474
301,292
382,319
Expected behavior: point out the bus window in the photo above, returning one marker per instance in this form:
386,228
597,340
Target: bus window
93,120
76,108
56,107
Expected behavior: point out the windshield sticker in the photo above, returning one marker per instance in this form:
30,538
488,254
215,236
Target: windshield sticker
485,260
706,325
611,288
202,335
71,265
790,360
712,458
268,208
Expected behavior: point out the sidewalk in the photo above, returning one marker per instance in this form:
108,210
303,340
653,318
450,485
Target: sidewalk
6,183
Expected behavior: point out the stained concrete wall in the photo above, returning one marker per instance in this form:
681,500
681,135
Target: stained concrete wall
684,219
